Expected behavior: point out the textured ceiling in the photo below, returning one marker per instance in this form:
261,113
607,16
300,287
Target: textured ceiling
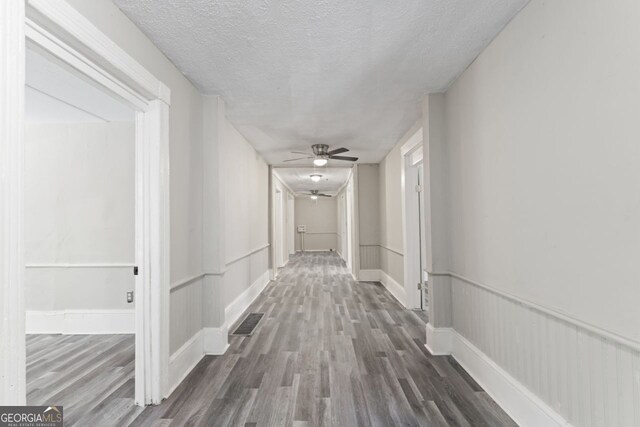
55,95
299,181
342,72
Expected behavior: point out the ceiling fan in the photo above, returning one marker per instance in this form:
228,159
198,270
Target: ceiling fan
315,193
321,155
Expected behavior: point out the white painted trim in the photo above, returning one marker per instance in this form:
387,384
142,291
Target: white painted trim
415,140
395,251
215,340
70,322
59,14
79,265
518,402
248,254
187,281
522,405
12,305
355,234
393,287
439,340
183,360
55,27
234,310
410,220
377,275
369,276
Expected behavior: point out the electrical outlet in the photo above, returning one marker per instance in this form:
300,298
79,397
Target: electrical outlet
130,297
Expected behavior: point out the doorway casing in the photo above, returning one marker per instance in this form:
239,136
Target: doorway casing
56,29
413,233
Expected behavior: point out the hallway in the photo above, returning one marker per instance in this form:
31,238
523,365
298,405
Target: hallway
329,351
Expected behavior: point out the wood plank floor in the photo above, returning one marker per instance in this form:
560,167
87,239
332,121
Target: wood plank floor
91,376
329,351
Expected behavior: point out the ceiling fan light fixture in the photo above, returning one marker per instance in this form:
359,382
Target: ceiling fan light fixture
315,177
314,197
320,162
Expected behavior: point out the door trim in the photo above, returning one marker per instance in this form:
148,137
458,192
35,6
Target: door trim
410,217
63,34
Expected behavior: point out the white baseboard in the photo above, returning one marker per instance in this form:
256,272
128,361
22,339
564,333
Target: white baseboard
439,340
394,287
215,340
92,322
234,310
387,281
182,362
518,402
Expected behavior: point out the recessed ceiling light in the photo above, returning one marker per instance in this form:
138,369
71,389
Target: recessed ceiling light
320,162
315,177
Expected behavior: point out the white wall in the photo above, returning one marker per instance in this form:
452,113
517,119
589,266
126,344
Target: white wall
544,210
320,217
79,212
185,161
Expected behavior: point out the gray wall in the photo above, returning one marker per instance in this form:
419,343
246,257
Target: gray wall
543,209
369,216
320,216
390,187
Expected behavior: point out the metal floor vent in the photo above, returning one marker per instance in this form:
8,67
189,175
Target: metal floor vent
249,324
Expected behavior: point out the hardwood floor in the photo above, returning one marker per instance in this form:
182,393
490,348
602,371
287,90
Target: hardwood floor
91,376
329,351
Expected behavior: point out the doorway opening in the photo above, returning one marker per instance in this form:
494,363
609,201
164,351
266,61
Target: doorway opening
414,224
313,211
59,33
79,217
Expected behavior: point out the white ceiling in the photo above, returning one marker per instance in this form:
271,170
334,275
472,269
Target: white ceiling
299,181
54,94
342,72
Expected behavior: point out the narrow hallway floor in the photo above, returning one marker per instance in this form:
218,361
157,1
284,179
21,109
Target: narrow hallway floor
329,351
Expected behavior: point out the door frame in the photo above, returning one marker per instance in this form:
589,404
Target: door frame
291,236
55,28
411,155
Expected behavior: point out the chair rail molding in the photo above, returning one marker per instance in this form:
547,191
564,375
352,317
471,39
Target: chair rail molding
543,366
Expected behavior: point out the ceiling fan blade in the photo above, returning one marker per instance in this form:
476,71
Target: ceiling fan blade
337,151
301,152
324,195
350,159
299,158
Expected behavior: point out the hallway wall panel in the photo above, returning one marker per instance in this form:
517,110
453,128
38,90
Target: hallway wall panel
584,376
542,134
186,317
245,201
